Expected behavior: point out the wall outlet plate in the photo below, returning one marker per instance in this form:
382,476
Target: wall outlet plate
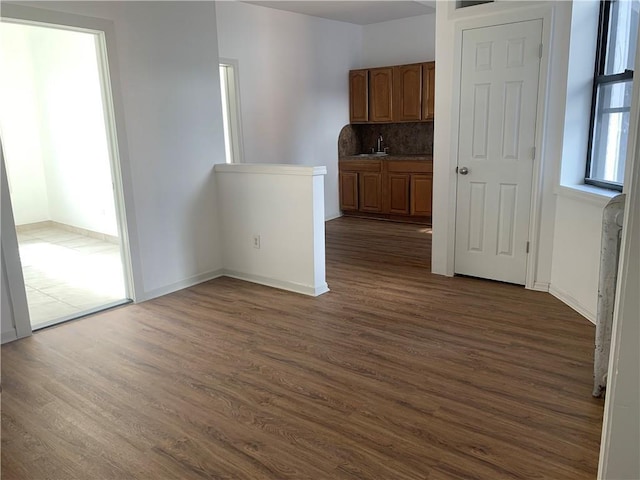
256,241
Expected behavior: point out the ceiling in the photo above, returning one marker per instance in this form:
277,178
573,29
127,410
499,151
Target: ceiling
361,12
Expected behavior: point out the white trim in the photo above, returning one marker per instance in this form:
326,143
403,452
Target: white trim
10,260
9,336
535,12
270,169
568,300
182,284
586,194
115,164
235,108
541,287
310,290
83,313
328,218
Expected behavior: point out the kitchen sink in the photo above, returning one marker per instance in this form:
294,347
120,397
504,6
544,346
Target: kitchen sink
381,154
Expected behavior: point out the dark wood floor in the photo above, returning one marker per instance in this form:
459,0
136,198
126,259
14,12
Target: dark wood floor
394,374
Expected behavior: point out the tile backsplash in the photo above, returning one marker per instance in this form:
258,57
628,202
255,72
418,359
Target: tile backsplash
401,138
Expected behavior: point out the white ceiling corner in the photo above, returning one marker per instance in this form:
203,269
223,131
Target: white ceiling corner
359,12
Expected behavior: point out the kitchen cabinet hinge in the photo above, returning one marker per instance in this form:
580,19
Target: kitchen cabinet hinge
527,247
540,51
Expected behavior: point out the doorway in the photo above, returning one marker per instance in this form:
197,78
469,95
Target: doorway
496,149
60,171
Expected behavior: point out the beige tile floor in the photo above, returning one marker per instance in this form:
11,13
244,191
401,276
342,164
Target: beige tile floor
67,273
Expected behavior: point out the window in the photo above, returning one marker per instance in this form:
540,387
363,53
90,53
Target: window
612,90
231,111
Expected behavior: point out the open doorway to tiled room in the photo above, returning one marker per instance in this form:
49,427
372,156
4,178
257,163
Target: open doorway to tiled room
60,171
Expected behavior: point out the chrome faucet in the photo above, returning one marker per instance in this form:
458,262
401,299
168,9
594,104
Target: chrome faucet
380,140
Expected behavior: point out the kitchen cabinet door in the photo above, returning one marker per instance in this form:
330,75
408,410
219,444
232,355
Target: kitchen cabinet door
428,92
348,191
370,192
399,193
359,96
421,191
407,87
381,94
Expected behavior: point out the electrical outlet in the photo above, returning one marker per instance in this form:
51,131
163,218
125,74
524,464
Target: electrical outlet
256,241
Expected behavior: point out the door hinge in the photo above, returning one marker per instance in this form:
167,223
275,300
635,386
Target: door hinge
533,153
540,51
527,247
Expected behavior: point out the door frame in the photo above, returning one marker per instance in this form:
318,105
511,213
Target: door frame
544,13
106,52
11,266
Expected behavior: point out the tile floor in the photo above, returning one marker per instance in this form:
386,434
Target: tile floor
68,273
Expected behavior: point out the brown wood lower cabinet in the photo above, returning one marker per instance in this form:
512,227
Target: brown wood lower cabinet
387,188
421,191
399,193
348,191
370,192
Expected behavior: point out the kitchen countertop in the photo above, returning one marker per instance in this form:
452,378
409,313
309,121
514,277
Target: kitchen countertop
416,157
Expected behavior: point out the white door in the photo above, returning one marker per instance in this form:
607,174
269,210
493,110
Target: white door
498,99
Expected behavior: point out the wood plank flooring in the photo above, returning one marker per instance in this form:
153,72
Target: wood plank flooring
394,374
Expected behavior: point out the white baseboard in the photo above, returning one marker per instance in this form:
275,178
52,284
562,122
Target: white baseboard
310,290
186,283
541,286
567,299
9,336
332,216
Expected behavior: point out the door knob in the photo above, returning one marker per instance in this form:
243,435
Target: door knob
463,170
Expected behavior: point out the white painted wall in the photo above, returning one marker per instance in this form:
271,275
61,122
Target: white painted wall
578,223
397,42
164,65
284,205
293,85
582,58
576,253
73,135
20,127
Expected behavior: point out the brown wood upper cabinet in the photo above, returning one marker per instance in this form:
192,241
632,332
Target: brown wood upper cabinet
402,93
359,96
428,90
381,94
407,93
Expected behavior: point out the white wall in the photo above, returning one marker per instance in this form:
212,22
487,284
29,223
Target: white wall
576,254
164,66
578,223
397,42
582,58
283,205
20,127
293,85
73,134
